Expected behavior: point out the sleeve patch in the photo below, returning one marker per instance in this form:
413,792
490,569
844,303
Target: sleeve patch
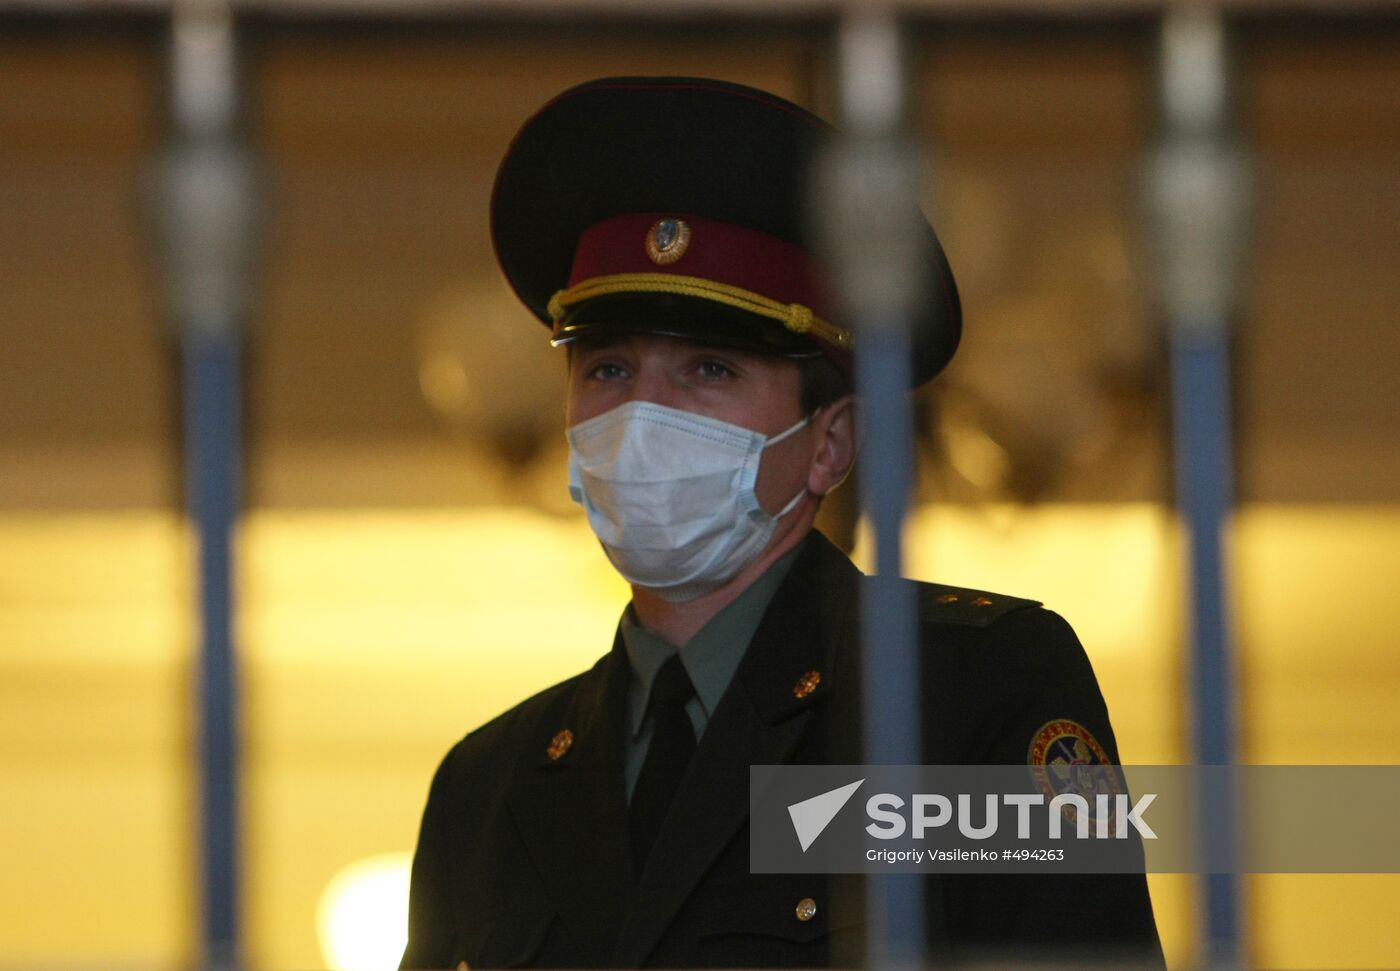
1063,741
1061,754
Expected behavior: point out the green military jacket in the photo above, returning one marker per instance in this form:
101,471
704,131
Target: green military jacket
523,856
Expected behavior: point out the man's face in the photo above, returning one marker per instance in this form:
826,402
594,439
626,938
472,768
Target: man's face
755,391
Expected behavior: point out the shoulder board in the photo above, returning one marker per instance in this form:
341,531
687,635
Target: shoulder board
962,605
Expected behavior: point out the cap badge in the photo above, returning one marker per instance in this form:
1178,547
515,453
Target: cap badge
667,240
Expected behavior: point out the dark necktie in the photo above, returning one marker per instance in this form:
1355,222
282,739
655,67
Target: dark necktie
672,745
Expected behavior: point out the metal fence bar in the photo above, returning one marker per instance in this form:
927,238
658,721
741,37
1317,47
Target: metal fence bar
212,406
871,188
1200,190
204,211
1201,410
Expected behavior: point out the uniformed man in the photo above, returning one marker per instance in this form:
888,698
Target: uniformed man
656,226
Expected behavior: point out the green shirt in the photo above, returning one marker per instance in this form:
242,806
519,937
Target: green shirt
710,659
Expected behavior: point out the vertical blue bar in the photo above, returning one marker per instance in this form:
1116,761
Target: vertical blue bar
213,472
1205,486
890,660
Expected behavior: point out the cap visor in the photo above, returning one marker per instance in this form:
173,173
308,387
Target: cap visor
690,318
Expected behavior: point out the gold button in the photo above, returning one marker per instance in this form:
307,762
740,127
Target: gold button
981,602
948,598
806,684
806,909
463,966
560,744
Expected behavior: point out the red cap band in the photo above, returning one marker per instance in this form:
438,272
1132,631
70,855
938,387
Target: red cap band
711,250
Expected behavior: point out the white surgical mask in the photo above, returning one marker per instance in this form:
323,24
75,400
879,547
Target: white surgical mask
670,495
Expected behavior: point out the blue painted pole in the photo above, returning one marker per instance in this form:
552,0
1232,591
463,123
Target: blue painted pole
872,232
205,211
213,471
1205,486
1199,192
890,686
1204,478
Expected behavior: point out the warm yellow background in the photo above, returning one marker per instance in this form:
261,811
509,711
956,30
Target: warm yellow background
372,640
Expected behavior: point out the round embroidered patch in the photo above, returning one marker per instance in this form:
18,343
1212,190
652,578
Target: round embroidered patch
1062,755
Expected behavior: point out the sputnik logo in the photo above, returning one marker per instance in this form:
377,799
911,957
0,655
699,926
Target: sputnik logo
811,816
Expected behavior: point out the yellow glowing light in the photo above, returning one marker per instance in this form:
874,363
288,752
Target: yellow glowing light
362,919
445,383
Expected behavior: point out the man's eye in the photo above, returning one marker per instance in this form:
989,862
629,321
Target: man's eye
607,372
716,369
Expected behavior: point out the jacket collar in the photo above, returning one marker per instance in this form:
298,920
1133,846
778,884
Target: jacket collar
760,721
571,809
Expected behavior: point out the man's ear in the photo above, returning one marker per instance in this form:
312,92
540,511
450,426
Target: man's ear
835,427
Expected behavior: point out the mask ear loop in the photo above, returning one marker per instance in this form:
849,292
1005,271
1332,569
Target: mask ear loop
802,493
788,433
792,504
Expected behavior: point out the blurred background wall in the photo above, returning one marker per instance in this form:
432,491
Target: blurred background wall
409,562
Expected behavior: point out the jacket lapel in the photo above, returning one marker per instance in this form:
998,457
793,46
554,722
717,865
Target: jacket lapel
572,812
760,720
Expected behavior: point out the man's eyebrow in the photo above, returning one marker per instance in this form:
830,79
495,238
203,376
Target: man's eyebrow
576,347
737,355
584,345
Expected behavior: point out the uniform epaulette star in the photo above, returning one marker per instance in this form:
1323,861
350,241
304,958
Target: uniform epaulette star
962,605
